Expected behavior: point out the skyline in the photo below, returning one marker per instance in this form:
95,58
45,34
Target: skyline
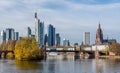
68,16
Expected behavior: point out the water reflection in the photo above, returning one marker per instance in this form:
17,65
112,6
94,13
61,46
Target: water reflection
62,64
61,57
28,65
98,65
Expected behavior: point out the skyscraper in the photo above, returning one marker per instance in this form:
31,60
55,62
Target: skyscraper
99,36
66,42
2,36
51,35
28,31
54,36
57,39
10,34
39,31
87,38
45,39
16,35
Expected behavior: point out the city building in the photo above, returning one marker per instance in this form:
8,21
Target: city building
16,35
57,39
75,44
99,36
54,36
51,35
66,42
2,36
109,41
39,31
29,32
45,39
10,34
87,38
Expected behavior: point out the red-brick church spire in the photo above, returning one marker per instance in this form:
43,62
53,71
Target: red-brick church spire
99,35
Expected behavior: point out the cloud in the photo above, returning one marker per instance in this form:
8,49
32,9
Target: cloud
70,18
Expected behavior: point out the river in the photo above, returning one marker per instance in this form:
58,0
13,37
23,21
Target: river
61,64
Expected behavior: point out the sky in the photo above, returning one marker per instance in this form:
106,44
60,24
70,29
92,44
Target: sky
71,18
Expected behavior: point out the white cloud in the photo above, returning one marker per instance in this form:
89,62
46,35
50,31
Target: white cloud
72,20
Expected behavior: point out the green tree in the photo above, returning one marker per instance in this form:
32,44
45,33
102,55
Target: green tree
27,49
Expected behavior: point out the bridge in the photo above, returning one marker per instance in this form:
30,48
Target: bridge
77,52
3,53
62,51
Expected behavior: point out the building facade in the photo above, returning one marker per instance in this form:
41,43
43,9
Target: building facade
51,35
46,40
54,36
16,35
2,36
29,31
57,39
66,42
87,38
39,31
10,34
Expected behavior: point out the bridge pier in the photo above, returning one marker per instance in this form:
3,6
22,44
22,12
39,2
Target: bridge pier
3,54
96,54
77,55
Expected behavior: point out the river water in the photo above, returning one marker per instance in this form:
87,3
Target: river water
61,64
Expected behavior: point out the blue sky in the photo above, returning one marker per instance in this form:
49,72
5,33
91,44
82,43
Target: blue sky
70,17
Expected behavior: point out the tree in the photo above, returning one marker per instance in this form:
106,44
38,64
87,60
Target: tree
8,45
3,46
27,49
115,48
11,45
10,55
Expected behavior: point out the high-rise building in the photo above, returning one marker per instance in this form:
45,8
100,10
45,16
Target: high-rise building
66,42
87,38
28,31
57,39
39,31
10,34
99,36
36,26
2,36
51,35
16,35
45,39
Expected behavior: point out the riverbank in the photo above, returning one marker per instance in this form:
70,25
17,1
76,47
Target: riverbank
115,57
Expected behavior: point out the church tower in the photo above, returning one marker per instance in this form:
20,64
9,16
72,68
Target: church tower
99,36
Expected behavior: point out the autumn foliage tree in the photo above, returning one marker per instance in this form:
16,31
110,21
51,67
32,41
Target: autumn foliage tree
27,49
8,45
115,48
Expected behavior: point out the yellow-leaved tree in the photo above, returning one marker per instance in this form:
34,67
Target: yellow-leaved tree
115,48
27,49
